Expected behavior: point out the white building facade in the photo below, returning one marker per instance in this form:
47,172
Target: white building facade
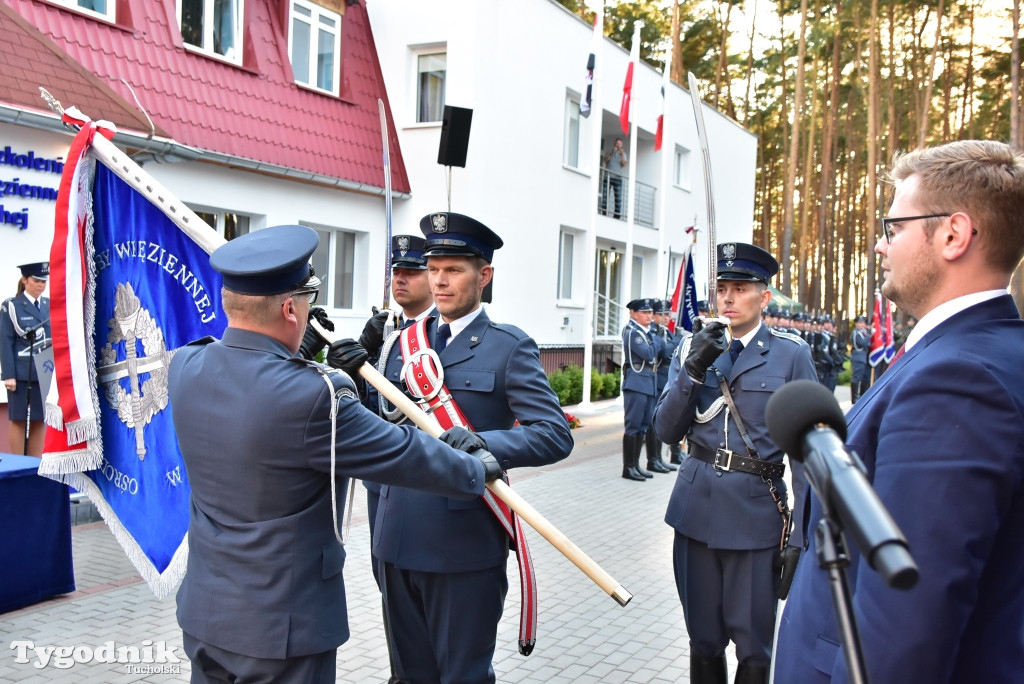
531,161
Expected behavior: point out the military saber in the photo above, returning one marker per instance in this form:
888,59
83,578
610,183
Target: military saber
499,488
709,201
387,201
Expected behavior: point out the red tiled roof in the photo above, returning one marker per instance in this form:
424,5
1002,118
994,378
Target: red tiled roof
255,111
29,60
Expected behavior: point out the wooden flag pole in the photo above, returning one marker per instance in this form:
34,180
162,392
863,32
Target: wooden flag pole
499,488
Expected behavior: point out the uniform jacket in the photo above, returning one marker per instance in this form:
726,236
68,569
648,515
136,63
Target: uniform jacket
860,340
941,434
732,510
640,350
17,315
667,346
493,371
264,575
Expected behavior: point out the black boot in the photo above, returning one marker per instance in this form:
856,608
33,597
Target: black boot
638,444
675,454
708,670
855,391
751,674
654,462
629,472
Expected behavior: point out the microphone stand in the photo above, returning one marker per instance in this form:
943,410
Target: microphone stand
833,558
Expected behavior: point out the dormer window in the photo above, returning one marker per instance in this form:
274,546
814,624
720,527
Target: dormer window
213,27
314,42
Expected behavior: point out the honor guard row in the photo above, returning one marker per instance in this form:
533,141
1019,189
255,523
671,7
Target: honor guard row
647,348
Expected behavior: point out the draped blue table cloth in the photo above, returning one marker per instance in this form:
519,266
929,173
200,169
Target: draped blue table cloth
35,535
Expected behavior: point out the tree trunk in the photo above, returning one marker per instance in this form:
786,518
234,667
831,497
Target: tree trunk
793,156
929,79
678,73
874,108
1015,136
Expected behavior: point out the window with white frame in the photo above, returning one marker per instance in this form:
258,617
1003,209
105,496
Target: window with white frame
571,151
314,42
227,224
566,256
431,74
681,176
103,9
334,264
212,26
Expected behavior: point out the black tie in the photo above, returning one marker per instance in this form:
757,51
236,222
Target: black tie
407,322
443,331
734,350
37,305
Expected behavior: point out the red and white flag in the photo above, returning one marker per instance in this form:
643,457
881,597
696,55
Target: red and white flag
627,87
876,352
595,43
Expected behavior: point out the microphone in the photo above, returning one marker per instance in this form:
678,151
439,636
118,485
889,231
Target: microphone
805,420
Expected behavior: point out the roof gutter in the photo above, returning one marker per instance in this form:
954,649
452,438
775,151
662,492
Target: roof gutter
164,150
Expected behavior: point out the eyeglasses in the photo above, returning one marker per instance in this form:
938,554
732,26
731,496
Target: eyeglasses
888,221
311,295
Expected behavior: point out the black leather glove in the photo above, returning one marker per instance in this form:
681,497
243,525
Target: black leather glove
312,341
348,355
372,337
462,439
492,471
705,347
784,564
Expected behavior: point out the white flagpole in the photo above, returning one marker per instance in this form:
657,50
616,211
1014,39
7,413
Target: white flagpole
595,122
667,156
627,273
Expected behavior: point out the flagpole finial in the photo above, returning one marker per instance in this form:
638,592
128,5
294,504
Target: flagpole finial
53,103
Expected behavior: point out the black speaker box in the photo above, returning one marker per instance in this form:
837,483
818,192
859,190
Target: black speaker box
454,136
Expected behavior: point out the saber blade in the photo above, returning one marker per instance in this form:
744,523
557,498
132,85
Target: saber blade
387,201
709,197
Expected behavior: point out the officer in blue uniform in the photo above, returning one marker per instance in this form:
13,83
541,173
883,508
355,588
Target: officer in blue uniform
443,560
263,598
640,353
24,331
667,344
728,527
860,341
411,291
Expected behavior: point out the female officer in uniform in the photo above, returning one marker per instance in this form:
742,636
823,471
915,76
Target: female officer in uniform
25,321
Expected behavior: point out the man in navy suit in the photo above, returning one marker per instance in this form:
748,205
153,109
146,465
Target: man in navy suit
941,436
25,330
263,597
443,560
728,527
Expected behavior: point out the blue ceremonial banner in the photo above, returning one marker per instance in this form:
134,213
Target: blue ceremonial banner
154,291
688,312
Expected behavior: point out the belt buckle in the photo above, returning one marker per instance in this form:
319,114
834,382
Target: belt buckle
719,454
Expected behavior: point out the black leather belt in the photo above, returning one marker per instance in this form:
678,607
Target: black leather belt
728,461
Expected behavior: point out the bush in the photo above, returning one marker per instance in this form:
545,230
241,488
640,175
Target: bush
567,384
846,374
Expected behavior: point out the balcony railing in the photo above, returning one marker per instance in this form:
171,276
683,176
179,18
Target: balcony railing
607,317
614,198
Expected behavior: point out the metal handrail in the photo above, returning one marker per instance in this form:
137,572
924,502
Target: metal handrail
614,196
607,317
